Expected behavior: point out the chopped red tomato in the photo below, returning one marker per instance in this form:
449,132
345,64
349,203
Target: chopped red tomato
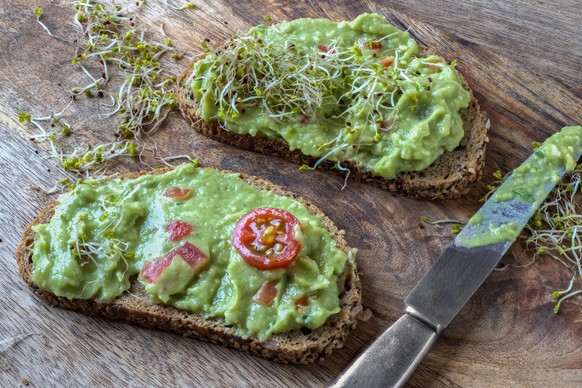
266,294
179,229
302,301
265,238
153,269
325,49
387,61
178,193
374,45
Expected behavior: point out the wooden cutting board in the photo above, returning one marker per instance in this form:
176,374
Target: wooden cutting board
523,61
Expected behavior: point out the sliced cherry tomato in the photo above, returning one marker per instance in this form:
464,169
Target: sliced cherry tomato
178,193
153,269
266,294
179,229
387,62
265,238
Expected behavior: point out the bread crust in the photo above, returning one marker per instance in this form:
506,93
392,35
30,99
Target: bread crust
448,177
297,346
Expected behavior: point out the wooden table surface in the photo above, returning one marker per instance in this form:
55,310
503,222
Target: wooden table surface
524,61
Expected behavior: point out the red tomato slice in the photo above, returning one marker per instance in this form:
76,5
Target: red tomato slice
178,193
153,269
265,238
179,229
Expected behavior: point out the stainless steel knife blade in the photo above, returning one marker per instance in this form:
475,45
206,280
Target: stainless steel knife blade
463,266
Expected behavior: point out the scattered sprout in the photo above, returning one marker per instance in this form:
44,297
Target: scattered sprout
426,220
145,98
85,157
346,170
185,5
456,228
7,343
166,160
554,230
38,14
24,117
114,41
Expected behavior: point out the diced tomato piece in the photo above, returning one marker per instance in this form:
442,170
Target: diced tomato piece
387,62
153,269
302,301
374,45
192,255
179,229
266,294
325,49
178,193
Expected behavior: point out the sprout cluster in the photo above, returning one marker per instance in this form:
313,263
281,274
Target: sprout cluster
354,87
555,231
146,96
115,43
286,81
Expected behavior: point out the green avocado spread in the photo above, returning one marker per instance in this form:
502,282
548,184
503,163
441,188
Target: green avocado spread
355,91
528,185
104,231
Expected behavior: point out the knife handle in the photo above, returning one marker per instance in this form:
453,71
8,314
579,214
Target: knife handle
392,358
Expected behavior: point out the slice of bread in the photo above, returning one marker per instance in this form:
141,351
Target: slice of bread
297,346
448,177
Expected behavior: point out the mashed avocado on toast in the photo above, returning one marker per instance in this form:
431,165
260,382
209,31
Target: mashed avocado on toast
183,235
354,91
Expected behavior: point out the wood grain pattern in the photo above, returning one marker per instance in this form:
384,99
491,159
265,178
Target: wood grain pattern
522,59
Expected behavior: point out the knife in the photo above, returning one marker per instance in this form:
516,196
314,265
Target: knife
463,266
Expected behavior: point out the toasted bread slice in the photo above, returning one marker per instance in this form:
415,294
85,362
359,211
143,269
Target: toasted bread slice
448,177
297,346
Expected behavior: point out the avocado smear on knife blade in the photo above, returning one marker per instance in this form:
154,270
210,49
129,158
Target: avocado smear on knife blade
528,184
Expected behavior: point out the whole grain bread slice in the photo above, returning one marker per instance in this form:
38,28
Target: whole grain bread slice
448,177
135,307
